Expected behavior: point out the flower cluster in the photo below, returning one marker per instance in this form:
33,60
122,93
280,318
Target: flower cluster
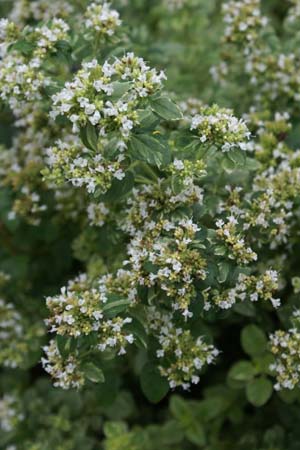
190,107
249,287
220,127
97,214
80,310
71,161
243,21
21,80
102,19
107,96
270,132
122,284
181,356
175,5
8,31
21,77
24,11
273,76
102,100
76,311
22,164
293,12
46,37
267,210
10,414
12,333
186,171
285,348
235,243
272,73
178,265
272,209
65,371
161,251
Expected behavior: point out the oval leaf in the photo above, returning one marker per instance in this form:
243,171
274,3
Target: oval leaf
153,385
93,373
253,340
148,149
259,391
242,371
166,109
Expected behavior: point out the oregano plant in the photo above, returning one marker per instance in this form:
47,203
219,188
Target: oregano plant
149,222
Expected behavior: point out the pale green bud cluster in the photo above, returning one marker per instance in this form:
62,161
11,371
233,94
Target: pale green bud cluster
8,31
187,171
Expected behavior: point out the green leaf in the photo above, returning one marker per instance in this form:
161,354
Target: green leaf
113,429
149,149
65,345
63,46
115,305
227,164
139,333
170,433
220,250
245,308
122,408
119,188
289,396
263,363
242,371
89,137
147,120
120,88
195,433
165,108
180,409
192,427
253,340
211,407
237,156
259,391
252,164
224,269
153,385
22,46
93,373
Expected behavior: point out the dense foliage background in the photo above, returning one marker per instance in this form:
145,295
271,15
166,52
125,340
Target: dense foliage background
149,225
